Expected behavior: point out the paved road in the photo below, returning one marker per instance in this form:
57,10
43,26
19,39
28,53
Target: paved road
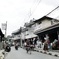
21,54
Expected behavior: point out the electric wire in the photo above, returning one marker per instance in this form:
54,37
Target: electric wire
31,13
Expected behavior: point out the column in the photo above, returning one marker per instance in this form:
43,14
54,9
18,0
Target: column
21,40
58,34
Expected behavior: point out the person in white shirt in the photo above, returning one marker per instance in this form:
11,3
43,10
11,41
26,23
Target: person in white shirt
39,44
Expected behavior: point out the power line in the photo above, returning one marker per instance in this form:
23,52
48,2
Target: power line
34,10
53,10
29,11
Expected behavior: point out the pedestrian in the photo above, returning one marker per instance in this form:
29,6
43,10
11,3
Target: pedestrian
39,44
28,46
25,44
16,45
45,46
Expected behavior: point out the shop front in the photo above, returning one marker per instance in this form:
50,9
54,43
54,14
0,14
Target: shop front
50,35
52,32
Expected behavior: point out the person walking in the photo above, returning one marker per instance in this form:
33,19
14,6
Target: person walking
28,46
39,44
45,46
16,45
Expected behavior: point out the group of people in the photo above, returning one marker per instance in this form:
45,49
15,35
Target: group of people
55,45
29,45
46,45
51,45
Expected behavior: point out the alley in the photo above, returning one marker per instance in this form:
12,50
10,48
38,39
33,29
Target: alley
21,54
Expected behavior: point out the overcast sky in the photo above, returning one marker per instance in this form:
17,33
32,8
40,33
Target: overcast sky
17,12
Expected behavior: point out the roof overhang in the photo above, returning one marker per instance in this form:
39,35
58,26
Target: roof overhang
30,36
48,28
15,38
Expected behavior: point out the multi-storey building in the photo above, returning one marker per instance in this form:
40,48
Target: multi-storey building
30,29
43,27
47,27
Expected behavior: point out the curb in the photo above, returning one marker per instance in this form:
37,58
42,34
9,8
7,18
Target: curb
48,53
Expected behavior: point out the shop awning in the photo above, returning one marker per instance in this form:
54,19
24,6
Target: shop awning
16,38
30,36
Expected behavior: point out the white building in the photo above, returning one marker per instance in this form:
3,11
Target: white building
46,26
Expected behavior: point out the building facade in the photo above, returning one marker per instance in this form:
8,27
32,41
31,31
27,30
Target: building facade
47,27
1,39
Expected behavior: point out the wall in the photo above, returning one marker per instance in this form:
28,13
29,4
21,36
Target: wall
45,23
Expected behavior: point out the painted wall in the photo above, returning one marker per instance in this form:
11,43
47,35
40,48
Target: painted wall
45,23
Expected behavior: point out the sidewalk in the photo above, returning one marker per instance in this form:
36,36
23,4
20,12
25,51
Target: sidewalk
50,52
1,54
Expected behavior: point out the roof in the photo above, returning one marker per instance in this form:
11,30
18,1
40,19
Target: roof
29,24
30,36
42,18
22,29
16,32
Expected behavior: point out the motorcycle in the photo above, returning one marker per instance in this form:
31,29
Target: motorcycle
8,49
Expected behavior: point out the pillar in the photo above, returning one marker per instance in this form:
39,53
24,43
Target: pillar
58,34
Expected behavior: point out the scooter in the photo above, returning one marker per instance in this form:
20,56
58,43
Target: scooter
8,49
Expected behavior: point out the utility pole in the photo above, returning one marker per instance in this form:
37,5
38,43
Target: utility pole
21,36
6,29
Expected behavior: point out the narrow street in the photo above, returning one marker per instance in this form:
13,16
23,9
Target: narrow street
21,54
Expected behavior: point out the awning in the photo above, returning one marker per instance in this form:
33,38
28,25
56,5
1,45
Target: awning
16,38
30,36
52,28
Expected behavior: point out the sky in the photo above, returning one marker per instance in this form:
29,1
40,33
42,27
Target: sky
18,12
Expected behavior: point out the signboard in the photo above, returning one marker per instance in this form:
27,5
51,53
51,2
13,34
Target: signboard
4,25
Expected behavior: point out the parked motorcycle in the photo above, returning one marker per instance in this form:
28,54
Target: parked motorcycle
8,49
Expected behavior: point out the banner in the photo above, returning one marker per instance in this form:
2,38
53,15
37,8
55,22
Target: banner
4,26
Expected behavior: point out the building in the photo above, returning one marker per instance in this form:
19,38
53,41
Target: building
1,39
47,27
1,35
29,33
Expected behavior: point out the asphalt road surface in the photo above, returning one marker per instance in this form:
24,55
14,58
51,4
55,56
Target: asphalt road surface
21,54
